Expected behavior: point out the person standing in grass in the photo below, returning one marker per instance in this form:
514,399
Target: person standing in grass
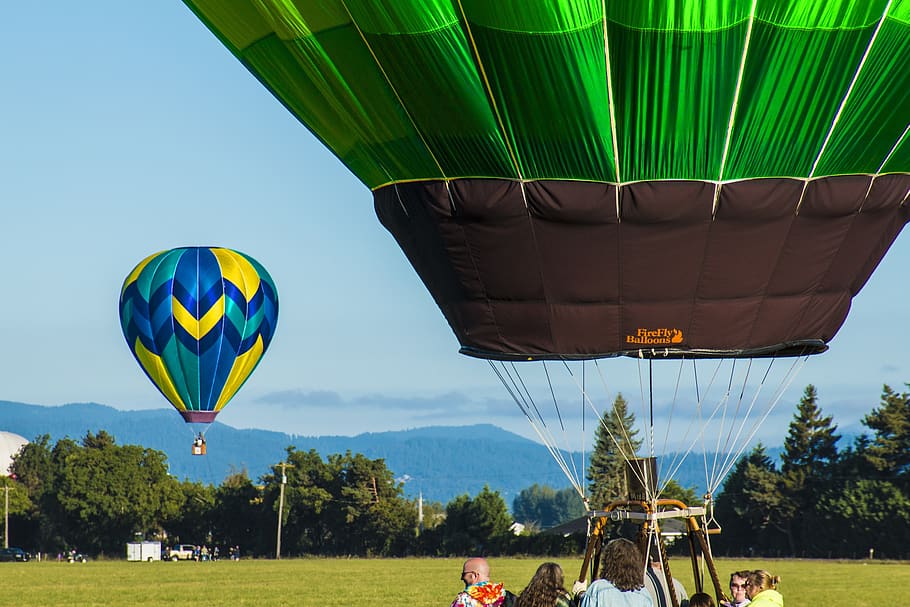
546,589
478,590
738,581
658,586
701,599
623,579
762,589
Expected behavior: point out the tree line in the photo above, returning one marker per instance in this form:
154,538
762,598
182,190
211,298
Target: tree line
94,496
823,500
820,501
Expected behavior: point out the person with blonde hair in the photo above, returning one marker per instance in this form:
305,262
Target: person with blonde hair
546,589
762,589
622,582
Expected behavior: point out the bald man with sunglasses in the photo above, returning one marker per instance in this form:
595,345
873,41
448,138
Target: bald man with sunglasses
478,590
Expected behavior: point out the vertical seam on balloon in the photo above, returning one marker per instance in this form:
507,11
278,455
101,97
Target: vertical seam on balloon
198,352
764,291
394,92
831,259
733,107
486,84
250,363
540,273
704,255
881,167
400,201
473,258
614,135
846,97
156,263
228,385
184,387
216,398
891,152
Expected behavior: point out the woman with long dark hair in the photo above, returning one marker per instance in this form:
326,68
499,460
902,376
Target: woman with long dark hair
622,578
546,589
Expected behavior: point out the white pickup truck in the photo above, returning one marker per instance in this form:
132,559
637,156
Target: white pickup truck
181,552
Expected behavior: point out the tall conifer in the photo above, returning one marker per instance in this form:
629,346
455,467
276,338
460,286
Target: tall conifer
889,450
616,440
810,453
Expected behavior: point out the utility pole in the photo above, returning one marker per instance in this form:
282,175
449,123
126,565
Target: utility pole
284,481
6,516
420,513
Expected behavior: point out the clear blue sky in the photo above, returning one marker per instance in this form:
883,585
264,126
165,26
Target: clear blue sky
126,128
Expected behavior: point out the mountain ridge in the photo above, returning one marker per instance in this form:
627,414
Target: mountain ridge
424,458
432,461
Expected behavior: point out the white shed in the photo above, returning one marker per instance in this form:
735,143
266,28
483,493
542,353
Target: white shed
143,551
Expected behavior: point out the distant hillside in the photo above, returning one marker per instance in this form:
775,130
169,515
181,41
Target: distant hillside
434,460
440,462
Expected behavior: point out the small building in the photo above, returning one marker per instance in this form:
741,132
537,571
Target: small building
143,551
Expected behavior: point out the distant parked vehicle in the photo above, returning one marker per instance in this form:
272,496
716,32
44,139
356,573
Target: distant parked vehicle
182,552
14,555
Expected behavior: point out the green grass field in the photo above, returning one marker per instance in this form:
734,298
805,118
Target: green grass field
355,582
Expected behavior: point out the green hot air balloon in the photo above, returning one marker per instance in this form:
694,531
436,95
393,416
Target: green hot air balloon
198,320
580,179
583,179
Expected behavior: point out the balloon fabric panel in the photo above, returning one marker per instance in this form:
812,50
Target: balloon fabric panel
754,279
405,90
198,320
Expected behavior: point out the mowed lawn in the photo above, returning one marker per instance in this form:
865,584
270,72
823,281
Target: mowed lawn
411,582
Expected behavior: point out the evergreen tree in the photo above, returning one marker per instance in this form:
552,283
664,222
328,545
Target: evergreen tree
889,450
747,508
810,453
616,440
862,513
811,443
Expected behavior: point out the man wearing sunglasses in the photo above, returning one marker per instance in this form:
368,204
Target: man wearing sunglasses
478,590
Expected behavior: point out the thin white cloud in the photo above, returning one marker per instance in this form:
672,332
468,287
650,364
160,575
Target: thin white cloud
293,399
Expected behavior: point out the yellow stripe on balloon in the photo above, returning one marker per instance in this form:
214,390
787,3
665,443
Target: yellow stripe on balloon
240,371
201,327
155,368
137,270
238,271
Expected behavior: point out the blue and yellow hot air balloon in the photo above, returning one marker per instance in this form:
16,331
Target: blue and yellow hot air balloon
198,320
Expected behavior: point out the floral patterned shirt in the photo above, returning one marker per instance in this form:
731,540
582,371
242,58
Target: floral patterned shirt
482,594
